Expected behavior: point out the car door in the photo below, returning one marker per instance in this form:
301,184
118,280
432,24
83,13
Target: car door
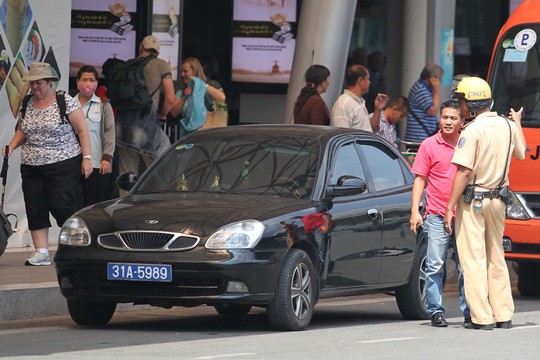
356,237
391,182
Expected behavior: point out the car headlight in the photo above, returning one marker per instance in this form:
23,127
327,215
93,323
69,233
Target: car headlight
516,209
74,232
240,235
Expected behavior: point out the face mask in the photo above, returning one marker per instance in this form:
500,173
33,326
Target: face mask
87,88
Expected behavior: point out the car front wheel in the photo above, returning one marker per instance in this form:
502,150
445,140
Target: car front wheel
97,313
411,299
294,300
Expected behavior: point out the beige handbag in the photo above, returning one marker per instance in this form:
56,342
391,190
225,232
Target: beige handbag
216,118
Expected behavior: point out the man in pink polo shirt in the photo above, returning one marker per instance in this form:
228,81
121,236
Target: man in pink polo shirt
432,167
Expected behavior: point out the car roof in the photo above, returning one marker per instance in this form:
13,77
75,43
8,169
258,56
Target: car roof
322,133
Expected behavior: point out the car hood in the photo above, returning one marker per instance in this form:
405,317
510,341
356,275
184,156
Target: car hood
198,214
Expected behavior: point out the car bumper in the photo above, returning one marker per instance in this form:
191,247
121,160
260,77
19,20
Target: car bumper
521,240
193,282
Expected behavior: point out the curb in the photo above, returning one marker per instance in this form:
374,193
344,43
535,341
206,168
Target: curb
23,301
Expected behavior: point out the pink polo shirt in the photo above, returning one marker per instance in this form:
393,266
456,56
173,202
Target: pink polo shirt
433,161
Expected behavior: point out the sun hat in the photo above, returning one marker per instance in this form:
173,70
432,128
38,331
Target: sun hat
40,70
151,42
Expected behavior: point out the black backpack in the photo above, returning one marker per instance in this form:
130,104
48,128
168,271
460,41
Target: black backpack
60,100
126,87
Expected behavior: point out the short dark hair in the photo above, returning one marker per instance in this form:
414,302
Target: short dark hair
401,102
87,69
355,72
452,103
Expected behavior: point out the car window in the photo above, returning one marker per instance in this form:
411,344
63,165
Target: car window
385,168
346,162
260,166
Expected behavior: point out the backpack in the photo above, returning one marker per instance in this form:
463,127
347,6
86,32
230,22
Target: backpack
60,100
126,87
5,230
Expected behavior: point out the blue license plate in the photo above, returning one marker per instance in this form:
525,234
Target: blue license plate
139,272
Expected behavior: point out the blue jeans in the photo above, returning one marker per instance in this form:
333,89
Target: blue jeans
437,248
321,239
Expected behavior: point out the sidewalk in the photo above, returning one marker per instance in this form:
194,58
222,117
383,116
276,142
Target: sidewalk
28,291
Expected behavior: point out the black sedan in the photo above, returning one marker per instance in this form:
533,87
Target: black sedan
273,216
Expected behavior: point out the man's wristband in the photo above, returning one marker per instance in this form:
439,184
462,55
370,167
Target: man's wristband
87,157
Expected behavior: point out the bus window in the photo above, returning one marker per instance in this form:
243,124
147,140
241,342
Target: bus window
515,78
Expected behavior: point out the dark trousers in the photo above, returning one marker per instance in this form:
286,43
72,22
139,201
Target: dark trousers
50,189
94,187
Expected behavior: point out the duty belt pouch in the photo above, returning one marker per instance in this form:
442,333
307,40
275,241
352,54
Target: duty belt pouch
468,193
505,196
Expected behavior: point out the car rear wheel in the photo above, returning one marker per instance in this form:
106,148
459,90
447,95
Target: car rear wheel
528,278
411,300
96,313
232,309
294,300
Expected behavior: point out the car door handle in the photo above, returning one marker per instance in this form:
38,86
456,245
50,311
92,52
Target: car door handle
373,214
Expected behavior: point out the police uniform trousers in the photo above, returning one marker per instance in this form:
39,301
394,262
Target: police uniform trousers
486,279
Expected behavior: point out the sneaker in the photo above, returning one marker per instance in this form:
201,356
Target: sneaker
38,259
438,320
467,322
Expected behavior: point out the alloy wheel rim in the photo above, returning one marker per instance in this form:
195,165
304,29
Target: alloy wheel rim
301,291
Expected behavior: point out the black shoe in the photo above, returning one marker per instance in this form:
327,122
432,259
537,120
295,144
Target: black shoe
482,327
504,324
438,320
467,322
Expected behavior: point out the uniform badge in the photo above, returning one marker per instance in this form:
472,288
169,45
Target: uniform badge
461,142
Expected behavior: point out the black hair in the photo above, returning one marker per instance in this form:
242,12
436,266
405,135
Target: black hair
314,76
355,72
452,103
401,102
87,69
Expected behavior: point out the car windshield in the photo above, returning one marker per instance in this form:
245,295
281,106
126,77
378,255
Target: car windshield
278,166
515,78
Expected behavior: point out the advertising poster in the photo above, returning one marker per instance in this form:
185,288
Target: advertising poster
101,29
447,55
30,31
166,27
264,35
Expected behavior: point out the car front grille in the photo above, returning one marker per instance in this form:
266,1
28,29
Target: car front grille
147,241
532,202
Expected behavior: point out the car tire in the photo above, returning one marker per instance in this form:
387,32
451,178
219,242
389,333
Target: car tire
232,309
294,299
97,313
528,278
411,299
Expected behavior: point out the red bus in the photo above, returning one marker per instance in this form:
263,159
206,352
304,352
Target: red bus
514,77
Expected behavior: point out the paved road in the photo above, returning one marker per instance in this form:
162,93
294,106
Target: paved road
364,327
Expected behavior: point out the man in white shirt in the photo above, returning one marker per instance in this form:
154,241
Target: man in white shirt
350,111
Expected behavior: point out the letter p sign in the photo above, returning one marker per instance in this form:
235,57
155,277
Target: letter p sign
525,39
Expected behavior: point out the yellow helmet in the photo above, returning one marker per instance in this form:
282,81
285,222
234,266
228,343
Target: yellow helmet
476,91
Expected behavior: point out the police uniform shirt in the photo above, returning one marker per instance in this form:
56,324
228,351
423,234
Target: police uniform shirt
483,148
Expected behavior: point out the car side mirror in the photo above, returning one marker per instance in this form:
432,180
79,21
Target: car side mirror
126,180
347,185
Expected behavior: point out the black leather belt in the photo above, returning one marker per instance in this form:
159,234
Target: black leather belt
491,194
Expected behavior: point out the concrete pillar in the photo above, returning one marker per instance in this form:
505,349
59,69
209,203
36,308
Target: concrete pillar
423,24
323,38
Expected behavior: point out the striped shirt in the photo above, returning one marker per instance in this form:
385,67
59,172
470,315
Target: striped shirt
387,131
420,100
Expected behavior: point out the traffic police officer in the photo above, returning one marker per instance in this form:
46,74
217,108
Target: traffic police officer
482,158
